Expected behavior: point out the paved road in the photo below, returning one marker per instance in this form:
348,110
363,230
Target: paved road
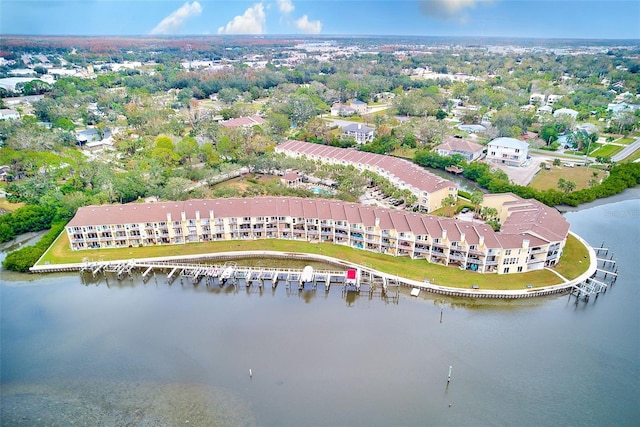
627,151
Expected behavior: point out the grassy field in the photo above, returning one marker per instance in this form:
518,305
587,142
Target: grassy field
635,156
8,206
60,253
575,259
607,150
548,179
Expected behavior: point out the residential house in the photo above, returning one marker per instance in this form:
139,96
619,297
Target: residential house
537,99
566,112
471,129
93,138
244,122
359,106
455,145
545,109
551,99
622,107
509,151
342,110
361,133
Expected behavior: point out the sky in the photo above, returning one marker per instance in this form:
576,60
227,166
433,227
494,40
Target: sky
590,19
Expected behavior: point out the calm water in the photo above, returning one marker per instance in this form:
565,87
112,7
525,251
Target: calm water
128,353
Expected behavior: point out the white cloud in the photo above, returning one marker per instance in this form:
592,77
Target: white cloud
285,6
174,21
449,9
251,22
309,27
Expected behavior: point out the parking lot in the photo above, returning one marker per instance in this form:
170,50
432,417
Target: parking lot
522,175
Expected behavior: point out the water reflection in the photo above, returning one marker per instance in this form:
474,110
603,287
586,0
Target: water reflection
158,353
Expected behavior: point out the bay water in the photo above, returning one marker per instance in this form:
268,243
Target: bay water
108,352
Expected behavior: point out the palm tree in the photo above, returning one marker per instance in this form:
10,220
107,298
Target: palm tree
447,203
476,198
489,213
566,186
562,185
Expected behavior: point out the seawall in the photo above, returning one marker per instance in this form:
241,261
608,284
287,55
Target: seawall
564,286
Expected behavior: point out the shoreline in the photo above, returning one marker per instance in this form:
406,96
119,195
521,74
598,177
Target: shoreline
564,286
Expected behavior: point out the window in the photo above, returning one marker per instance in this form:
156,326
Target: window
507,252
506,270
517,150
520,269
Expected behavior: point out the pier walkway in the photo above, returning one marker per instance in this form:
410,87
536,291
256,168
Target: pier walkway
229,273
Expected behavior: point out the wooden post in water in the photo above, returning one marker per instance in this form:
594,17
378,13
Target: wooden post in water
441,319
449,377
250,373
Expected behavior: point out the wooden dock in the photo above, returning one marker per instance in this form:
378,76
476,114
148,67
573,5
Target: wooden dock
604,276
230,274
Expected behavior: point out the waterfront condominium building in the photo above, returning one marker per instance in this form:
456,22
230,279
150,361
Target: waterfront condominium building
532,236
428,188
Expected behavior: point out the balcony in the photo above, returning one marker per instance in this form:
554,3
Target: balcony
440,245
476,252
422,249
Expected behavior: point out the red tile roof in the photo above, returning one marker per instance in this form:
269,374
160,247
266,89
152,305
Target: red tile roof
404,170
243,122
402,221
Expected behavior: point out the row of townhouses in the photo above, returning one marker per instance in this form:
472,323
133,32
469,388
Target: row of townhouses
532,236
428,188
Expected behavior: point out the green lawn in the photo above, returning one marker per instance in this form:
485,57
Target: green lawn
60,253
632,158
574,260
625,141
607,150
548,179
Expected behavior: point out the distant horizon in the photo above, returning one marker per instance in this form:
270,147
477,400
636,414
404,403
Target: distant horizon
522,19
309,36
